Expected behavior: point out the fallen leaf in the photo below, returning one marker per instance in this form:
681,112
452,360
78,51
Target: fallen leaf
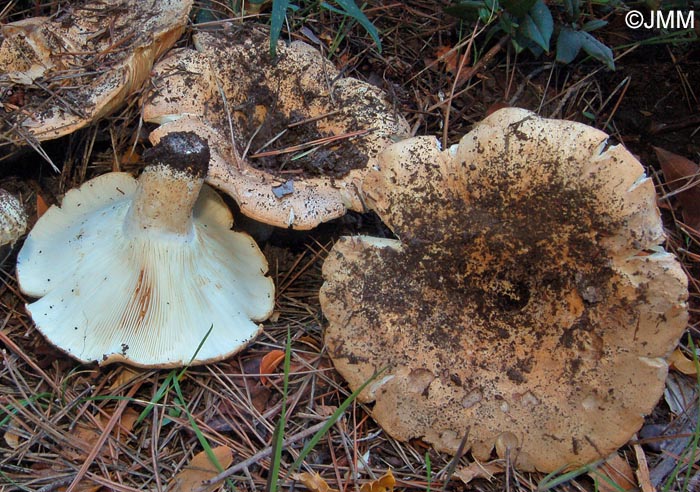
451,59
269,363
11,436
495,107
614,475
443,54
41,206
681,363
199,469
479,470
385,483
315,483
131,156
682,177
128,420
126,375
326,410
85,434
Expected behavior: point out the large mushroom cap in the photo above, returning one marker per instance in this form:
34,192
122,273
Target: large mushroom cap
527,303
145,271
248,104
82,65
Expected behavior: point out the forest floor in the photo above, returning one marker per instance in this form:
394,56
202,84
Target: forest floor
139,429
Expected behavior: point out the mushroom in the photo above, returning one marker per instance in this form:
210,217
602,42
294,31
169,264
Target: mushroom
527,304
13,218
61,74
290,140
145,271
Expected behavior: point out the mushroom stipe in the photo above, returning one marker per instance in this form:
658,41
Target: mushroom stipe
527,302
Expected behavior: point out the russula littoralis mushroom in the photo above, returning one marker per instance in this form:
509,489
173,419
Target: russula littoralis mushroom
246,104
527,303
60,74
141,271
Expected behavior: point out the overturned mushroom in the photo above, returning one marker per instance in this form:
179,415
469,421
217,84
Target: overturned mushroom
527,306
60,74
290,139
145,271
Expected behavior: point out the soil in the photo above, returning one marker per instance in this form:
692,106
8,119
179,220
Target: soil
262,79
333,160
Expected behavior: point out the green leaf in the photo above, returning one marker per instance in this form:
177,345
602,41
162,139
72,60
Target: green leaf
518,8
467,10
538,25
568,45
279,11
570,42
278,436
597,50
594,24
352,10
572,9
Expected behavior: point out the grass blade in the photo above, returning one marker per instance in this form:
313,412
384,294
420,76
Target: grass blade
329,423
279,12
350,9
278,437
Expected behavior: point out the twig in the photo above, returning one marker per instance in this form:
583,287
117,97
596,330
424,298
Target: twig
473,70
462,60
106,432
311,143
262,454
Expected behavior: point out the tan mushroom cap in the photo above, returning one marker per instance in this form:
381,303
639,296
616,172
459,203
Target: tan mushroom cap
528,302
82,65
232,88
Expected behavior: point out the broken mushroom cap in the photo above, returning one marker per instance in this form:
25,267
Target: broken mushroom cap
263,117
144,272
83,64
13,218
527,306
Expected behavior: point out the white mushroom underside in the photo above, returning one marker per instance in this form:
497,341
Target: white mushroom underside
149,299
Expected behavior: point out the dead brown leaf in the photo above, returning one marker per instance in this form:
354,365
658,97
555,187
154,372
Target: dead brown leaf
41,206
11,436
269,363
385,483
479,470
87,433
451,59
199,469
682,176
614,475
315,483
125,376
681,363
